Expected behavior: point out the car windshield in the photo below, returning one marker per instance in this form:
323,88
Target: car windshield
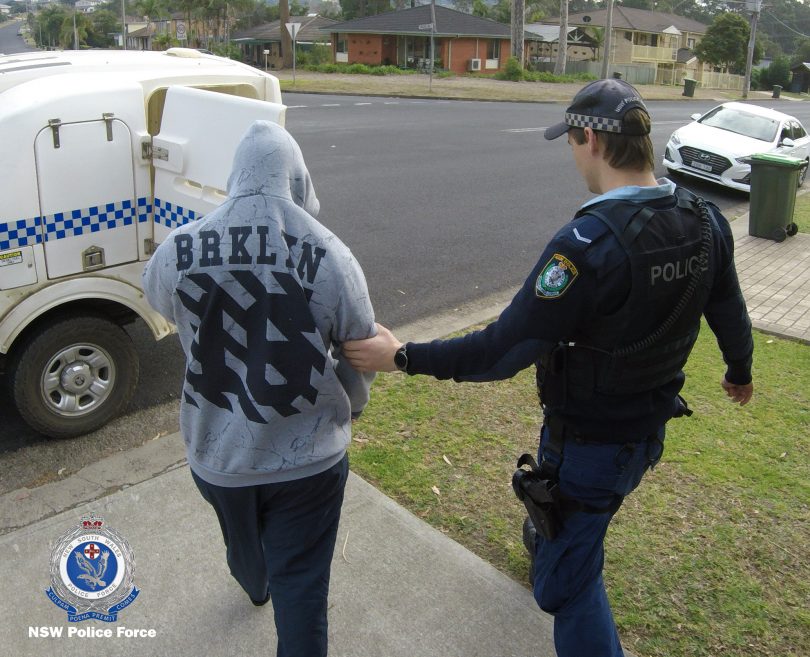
743,123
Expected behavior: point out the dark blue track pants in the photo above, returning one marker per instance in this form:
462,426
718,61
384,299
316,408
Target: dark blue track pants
568,570
280,539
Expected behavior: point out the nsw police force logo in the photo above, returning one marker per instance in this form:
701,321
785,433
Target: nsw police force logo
92,572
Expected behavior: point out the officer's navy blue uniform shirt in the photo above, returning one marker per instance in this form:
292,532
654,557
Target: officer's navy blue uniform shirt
598,281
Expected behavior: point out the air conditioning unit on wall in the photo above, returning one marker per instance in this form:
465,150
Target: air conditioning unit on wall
475,65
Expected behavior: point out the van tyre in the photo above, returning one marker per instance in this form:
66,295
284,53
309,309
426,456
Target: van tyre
803,173
73,376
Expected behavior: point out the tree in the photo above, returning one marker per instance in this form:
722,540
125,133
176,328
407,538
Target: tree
562,44
777,73
103,25
802,53
480,9
725,43
150,9
286,39
49,25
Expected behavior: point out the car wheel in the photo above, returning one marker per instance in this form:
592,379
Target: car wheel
73,376
803,173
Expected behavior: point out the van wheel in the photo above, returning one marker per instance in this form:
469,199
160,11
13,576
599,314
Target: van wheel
73,376
803,174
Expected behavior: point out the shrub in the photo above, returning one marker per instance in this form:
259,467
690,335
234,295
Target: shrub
513,71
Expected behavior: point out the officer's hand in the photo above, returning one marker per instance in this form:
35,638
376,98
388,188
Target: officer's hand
374,354
738,394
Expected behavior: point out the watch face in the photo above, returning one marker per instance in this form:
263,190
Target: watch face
401,358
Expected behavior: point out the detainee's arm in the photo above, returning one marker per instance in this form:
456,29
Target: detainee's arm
354,320
160,279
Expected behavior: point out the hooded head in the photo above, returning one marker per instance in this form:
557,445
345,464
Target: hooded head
268,162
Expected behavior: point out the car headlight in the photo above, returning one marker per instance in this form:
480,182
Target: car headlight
743,160
675,139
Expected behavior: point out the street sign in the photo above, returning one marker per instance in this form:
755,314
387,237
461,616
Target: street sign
426,26
181,30
293,28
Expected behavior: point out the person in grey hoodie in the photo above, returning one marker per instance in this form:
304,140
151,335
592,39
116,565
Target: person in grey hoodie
262,296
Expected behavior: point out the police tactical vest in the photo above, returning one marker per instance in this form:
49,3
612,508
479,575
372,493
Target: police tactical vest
645,343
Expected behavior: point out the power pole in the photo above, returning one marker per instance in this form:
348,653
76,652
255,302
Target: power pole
608,39
754,6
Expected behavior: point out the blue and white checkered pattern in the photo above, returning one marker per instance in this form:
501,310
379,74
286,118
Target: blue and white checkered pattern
171,215
89,220
593,122
25,232
14,234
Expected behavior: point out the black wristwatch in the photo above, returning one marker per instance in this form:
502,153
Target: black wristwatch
401,359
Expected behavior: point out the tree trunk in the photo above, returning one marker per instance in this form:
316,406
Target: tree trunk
286,39
608,39
518,22
562,44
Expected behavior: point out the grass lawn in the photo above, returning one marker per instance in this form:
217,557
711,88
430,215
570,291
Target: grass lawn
709,557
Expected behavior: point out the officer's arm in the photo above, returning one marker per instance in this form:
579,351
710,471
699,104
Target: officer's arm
550,304
726,311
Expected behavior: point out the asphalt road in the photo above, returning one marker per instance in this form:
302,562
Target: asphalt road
443,202
10,42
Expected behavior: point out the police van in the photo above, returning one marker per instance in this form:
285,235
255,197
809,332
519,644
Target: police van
102,154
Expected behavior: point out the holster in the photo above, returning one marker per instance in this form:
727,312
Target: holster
541,497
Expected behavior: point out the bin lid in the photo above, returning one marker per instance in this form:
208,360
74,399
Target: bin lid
775,159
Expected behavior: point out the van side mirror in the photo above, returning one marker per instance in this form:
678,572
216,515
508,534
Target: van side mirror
695,116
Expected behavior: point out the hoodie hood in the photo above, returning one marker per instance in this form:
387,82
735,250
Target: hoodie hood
268,162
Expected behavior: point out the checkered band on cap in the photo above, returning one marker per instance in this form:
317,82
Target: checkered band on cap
593,122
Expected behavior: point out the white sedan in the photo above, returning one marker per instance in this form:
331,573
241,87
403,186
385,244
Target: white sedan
717,145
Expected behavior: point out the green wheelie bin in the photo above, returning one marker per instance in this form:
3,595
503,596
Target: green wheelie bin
774,181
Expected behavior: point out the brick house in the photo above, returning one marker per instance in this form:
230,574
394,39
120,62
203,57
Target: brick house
462,42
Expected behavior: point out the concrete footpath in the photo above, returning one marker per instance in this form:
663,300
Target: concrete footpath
399,587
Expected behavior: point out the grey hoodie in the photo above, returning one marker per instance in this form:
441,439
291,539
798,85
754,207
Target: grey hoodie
262,295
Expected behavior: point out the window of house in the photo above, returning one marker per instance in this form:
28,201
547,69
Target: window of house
690,43
342,43
494,49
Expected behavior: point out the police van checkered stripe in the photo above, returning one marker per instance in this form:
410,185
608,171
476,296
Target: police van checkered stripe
593,122
19,233
171,215
25,232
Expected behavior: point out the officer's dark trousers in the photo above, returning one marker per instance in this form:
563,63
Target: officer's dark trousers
568,570
280,539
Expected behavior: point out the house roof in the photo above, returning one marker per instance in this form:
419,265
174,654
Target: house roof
685,56
449,22
547,32
641,20
310,30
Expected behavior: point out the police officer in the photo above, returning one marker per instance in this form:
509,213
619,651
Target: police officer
609,315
